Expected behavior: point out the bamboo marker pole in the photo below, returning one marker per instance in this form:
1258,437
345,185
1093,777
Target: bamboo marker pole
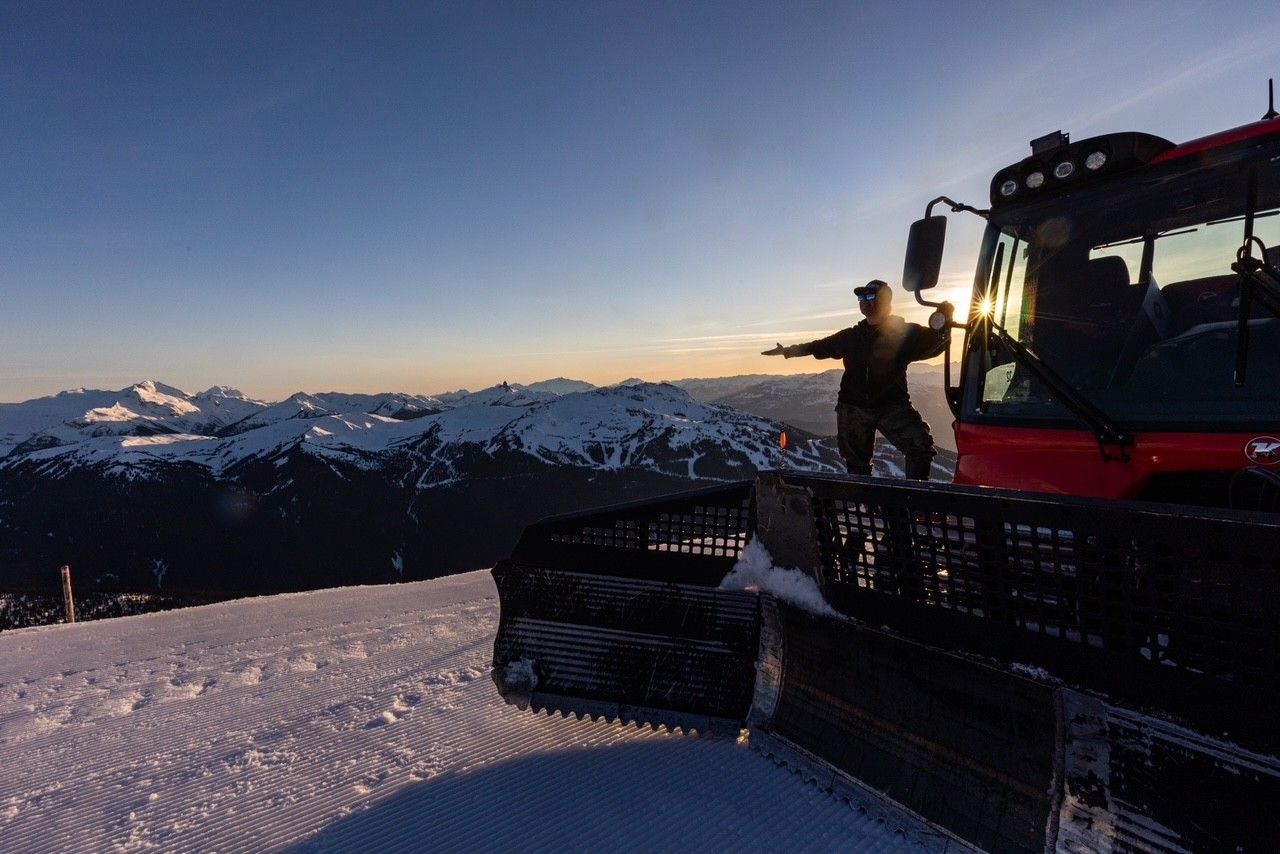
66,594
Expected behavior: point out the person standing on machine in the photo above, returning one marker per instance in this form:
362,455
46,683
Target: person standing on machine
873,392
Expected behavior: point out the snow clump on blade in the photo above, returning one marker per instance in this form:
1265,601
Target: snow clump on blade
520,674
755,572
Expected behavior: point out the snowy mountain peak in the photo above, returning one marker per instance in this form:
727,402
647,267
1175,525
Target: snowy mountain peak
158,396
504,394
561,385
223,391
154,387
114,413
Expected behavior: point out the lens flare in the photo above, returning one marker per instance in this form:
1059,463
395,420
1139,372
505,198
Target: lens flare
985,307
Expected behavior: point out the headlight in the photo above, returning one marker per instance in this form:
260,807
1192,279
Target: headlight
1095,161
937,321
1065,169
1034,180
1008,188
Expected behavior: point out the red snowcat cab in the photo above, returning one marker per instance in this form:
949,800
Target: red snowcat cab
1124,340
1075,646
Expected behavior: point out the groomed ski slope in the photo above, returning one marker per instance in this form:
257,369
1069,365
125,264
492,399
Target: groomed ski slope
356,719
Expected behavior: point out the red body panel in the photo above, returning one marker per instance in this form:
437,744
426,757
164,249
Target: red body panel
1068,461
1217,140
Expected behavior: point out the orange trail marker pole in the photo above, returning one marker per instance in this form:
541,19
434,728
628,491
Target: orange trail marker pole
782,451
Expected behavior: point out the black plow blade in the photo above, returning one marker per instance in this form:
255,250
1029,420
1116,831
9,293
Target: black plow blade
992,670
625,649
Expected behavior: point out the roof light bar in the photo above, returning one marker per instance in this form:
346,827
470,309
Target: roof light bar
1057,163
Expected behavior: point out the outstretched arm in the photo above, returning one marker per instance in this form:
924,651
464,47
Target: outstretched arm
831,347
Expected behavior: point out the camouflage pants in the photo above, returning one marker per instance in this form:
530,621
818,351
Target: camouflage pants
899,422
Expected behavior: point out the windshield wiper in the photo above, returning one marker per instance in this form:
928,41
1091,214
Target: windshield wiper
1241,218
1141,239
1259,285
1106,431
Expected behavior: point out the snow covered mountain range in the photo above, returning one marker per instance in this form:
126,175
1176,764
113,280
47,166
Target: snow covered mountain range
151,487
151,408
139,431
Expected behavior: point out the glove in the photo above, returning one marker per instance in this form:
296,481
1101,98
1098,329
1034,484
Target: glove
948,309
786,352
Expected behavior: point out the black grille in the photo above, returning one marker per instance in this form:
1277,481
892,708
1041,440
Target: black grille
617,614
1164,594
963,744
693,538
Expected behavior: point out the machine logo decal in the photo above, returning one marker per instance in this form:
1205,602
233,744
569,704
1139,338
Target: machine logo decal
1263,450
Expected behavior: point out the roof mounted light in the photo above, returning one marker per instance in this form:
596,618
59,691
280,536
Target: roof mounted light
1061,166
1008,188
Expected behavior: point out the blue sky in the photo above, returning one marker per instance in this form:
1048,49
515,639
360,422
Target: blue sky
420,197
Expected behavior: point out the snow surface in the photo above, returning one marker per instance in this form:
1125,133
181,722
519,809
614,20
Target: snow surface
356,719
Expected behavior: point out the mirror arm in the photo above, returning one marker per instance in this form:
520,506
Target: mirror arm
952,404
956,207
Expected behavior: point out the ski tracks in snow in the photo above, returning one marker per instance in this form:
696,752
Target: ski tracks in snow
359,718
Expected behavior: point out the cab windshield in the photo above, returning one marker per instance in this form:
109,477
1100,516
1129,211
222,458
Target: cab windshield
1127,293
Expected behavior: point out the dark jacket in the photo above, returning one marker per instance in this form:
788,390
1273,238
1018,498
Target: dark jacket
876,358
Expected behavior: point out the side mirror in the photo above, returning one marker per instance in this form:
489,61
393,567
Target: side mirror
924,254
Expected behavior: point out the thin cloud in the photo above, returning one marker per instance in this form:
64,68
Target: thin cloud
738,336
1240,52
676,351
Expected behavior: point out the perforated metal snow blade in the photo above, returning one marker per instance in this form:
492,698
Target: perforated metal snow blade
1009,671
634,651
617,615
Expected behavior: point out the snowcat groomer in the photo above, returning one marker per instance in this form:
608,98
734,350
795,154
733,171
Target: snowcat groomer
1075,646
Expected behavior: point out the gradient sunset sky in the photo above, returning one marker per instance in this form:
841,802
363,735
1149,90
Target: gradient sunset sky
426,196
